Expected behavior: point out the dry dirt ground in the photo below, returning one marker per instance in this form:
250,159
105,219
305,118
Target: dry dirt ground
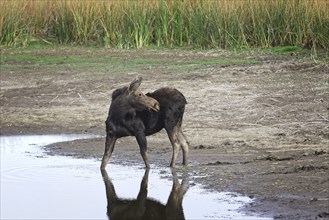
257,121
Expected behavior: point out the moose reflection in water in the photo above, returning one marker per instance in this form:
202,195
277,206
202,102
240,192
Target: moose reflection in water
143,207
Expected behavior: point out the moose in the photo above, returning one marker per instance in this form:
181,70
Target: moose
143,207
133,113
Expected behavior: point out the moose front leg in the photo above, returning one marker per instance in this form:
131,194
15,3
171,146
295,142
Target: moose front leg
142,142
109,146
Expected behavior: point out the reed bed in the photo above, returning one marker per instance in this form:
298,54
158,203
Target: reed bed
169,23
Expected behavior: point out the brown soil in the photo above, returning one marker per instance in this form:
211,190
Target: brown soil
257,128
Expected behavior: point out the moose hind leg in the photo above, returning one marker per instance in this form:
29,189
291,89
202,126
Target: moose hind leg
173,137
185,146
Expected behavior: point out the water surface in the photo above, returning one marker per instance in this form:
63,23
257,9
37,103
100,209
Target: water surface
37,186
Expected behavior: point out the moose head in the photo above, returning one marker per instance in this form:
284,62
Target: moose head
138,100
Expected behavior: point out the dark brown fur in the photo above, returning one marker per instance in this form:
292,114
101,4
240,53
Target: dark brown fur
130,117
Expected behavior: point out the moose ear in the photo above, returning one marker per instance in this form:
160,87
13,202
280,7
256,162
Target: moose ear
134,85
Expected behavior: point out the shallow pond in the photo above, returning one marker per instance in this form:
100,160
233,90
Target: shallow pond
37,186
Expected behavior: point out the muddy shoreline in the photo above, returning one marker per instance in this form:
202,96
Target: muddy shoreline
258,128
267,179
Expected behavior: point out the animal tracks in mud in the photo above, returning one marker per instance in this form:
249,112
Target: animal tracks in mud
299,169
271,158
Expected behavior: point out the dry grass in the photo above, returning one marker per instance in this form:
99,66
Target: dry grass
140,23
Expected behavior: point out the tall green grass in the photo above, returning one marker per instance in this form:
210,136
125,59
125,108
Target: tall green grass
170,23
